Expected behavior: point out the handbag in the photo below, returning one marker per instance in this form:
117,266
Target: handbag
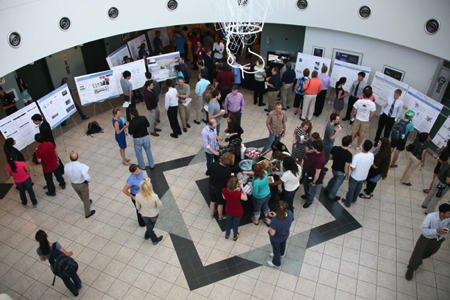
61,166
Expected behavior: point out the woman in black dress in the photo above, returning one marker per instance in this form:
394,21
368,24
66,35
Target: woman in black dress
338,104
9,148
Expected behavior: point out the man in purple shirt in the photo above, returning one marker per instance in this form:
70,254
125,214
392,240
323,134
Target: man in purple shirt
235,103
314,174
151,103
320,101
210,144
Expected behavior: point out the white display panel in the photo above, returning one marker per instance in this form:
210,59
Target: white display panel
313,63
116,58
161,66
96,87
135,44
137,69
20,127
443,135
349,71
57,106
164,37
384,86
427,110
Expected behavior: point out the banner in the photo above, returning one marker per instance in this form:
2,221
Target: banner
135,45
137,69
116,58
96,87
349,71
384,86
313,63
161,66
57,106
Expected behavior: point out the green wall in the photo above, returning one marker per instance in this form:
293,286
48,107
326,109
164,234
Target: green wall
282,37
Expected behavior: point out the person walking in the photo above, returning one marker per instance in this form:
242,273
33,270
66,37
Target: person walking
439,188
233,207
444,155
416,157
119,132
138,130
80,179
20,172
131,189
148,203
279,233
402,130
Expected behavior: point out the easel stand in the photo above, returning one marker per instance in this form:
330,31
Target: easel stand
28,150
62,135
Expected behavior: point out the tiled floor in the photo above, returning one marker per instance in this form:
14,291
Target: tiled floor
116,262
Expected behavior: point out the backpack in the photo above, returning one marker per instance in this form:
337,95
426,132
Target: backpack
399,130
63,266
93,128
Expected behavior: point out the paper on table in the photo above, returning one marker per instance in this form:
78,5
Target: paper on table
188,100
126,104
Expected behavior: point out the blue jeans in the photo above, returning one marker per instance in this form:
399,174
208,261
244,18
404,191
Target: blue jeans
210,158
272,138
232,221
72,286
138,144
310,191
288,196
334,184
259,203
278,251
150,222
354,188
28,186
327,149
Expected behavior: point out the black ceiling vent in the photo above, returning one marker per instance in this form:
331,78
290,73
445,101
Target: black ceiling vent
364,12
113,13
172,5
432,26
242,2
302,4
64,23
14,39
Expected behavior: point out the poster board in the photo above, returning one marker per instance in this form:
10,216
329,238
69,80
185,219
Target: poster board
20,127
116,58
57,106
311,62
164,37
443,134
135,44
161,66
96,87
427,110
137,69
349,71
384,86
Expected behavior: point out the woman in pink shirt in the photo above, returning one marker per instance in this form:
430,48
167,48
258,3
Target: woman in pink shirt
21,175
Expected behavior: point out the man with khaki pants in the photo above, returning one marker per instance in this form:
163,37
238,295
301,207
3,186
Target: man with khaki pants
183,92
363,112
273,86
312,88
200,87
287,93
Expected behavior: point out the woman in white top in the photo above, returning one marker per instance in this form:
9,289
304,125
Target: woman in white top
290,180
147,202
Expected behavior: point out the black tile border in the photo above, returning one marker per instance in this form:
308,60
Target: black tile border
4,189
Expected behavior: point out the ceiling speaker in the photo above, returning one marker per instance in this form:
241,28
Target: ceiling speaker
302,4
64,23
432,26
364,12
113,13
14,39
172,5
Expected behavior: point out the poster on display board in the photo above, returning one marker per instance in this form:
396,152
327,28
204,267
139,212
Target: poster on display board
135,44
164,37
349,71
427,110
116,58
161,66
137,70
384,86
313,63
96,87
443,135
57,106
20,127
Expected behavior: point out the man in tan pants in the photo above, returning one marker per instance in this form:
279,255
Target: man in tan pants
183,92
273,86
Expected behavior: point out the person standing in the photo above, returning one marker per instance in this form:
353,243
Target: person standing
138,130
9,105
443,156
200,88
363,113
260,195
223,83
342,158
151,103
276,123
148,203
260,74
47,155
331,131
390,113
416,156
287,82
399,142
21,175
171,105
279,233
356,90
434,230
309,153
143,53
79,178
214,111
208,41
185,70
202,68
183,92
314,174
131,188
233,207
301,135
157,91
236,71
119,128
210,144
9,149
209,64
218,48
179,43
44,128
300,92
184,34
127,88
360,169
312,88
338,104
440,186
158,43
320,101
235,103
273,87
23,88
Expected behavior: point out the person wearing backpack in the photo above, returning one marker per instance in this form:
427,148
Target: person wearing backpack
390,112
399,135
57,255
299,92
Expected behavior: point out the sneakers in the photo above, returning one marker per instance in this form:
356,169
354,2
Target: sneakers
270,264
358,148
271,255
350,145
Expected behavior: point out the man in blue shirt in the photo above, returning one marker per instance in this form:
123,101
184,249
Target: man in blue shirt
200,87
158,43
179,44
273,86
434,230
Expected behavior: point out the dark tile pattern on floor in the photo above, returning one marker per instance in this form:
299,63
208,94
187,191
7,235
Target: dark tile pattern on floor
4,189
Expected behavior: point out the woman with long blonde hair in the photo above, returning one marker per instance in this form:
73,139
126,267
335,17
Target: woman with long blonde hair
207,96
148,203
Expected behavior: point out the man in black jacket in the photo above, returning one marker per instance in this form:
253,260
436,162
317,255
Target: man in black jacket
44,128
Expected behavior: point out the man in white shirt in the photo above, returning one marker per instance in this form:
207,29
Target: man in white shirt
360,167
218,50
79,177
434,230
171,105
363,112
390,112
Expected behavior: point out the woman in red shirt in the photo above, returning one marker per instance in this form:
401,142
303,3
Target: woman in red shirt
21,175
233,208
